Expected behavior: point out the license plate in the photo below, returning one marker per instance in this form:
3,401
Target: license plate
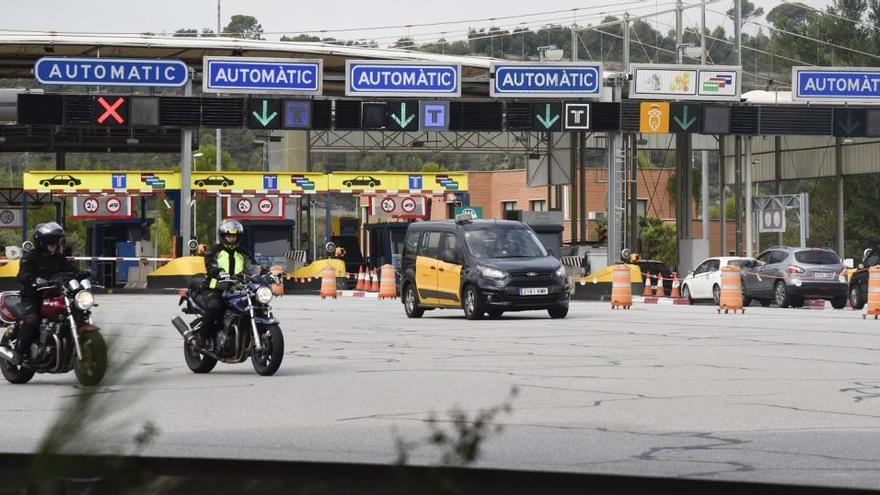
823,275
534,291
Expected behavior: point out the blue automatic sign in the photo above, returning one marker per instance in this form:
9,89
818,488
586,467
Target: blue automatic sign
836,84
262,75
575,80
372,78
110,72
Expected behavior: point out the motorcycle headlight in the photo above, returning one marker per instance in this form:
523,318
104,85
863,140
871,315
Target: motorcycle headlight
560,272
84,300
264,295
492,272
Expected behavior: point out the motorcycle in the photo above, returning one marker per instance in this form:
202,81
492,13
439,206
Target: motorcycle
249,329
67,339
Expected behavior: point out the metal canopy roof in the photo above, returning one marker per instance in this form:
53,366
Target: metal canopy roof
20,50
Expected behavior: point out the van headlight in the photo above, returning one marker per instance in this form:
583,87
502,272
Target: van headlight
264,295
560,272
492,272
84,300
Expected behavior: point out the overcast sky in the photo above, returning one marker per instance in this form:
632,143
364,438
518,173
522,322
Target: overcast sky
296,16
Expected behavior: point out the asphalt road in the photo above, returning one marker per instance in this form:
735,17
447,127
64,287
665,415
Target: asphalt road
773,395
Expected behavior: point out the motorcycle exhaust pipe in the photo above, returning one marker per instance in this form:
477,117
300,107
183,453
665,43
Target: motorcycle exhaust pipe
7,354
181,326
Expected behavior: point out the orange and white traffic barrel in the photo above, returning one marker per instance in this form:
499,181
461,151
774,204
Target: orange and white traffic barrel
387,283
873,305
621,287
328,282
661,290
731,290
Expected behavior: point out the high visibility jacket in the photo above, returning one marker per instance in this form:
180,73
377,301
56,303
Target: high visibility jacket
219,258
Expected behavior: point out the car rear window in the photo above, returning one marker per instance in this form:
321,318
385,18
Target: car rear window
817,257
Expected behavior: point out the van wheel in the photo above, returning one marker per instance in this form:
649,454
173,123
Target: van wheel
855,297
716,294
838,303
411,302
557,313
473,307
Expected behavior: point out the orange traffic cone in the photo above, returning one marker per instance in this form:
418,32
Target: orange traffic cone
675,294
375,278
360,279
388,284
328,283
648,290
661,291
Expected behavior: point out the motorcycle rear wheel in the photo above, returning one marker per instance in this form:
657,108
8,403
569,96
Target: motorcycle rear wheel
196,361
267,360
12,373
91,368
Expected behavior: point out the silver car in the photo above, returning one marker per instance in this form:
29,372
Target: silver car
787,276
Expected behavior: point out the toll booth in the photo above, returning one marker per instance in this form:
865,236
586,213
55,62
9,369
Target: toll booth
117,239
268,240
344,232
386,243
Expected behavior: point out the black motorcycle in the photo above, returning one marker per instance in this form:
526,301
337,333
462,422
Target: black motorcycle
248,329
67,339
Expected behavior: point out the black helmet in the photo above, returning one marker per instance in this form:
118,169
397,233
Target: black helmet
48,233
230,227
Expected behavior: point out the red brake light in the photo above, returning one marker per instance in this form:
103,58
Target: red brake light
795,269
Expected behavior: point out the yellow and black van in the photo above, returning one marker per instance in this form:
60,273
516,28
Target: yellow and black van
482,266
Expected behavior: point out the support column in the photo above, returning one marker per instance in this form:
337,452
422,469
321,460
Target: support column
573,196
737,191
777,175
683,176
186,163
722,197
582,180
218,215
634,194
838,162
748,159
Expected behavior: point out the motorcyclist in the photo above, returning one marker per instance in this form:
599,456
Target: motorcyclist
37,266
224,259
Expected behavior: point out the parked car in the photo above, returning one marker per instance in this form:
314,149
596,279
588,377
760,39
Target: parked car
858,281
704,283
787,276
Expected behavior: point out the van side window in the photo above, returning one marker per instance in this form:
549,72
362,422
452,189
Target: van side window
411,245
451,251
430,247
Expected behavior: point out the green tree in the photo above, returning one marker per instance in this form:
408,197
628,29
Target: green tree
244,26
659,240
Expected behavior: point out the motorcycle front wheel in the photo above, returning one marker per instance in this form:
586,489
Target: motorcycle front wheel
91,368
267,359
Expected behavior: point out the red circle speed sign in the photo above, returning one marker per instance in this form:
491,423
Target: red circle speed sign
91,205
265,206
244,205
388,205
113,205
408,205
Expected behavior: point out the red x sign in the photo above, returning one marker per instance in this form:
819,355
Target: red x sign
110,110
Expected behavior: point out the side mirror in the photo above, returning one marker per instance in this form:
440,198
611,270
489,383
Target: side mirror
27,246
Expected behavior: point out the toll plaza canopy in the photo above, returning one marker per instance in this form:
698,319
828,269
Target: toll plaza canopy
19,50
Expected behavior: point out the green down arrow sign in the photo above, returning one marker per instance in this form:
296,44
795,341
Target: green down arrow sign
266,118
685,117
403,120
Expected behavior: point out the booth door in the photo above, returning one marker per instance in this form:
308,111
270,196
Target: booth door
271,242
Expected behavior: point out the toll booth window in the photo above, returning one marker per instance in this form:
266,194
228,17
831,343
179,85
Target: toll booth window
412,243
397,239
504,243
430,247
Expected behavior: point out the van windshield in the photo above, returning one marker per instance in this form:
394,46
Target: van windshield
503,243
